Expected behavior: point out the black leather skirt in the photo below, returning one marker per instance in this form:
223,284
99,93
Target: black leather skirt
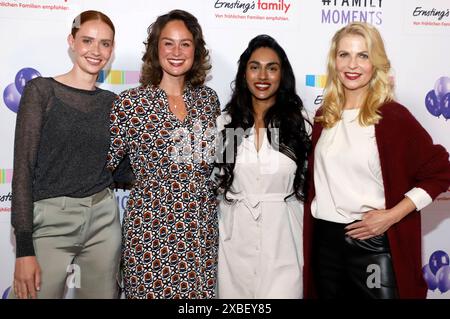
350,268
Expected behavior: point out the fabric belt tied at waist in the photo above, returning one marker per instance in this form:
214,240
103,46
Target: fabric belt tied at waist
253,204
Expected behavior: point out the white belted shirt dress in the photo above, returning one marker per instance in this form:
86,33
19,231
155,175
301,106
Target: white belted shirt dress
260,233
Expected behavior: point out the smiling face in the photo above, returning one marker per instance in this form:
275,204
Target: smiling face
353,66
176,49
92,46
263,75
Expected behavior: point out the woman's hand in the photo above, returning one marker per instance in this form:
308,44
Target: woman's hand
27,277
376,222
373,223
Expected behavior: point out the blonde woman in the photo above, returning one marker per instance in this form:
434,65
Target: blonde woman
372,169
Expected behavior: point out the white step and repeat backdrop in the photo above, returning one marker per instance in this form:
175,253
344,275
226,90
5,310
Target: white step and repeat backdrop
416,32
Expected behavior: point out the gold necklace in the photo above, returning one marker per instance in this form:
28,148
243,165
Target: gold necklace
173,100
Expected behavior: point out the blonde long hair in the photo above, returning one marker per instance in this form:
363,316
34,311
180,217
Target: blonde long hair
380,89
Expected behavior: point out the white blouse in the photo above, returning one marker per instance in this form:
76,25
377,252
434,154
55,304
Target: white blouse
347,173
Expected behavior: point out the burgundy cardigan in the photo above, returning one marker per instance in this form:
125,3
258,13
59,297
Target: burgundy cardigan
408,159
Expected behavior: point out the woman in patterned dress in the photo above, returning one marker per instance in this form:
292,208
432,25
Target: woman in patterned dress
167,126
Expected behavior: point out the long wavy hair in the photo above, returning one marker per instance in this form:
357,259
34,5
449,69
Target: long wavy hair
380,88
151,72
286,115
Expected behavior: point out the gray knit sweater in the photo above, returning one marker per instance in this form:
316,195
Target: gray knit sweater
61,143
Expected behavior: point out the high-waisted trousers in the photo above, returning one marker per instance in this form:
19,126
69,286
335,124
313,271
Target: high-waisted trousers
77,243
350,268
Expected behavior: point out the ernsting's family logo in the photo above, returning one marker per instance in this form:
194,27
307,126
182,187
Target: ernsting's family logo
281,6
433,12
431,16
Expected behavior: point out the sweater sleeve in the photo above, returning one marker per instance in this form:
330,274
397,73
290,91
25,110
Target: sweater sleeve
433,166
123,175
26,144
118,129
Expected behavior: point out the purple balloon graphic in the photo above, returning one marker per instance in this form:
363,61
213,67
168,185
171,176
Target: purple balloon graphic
442,87
445,106
438,259
5,294
23,76
11,97
443,278
432,103
429,277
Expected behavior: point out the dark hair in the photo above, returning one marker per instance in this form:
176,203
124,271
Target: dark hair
90,15
285,115
151,72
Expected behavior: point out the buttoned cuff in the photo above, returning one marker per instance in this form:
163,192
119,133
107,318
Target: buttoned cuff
419,197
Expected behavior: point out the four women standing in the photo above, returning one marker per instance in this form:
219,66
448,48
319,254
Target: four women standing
372,167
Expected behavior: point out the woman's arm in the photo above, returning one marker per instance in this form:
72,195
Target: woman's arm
376,222
118,128
26,145
430,171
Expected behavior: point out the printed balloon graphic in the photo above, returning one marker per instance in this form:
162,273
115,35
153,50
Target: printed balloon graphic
23,76
442,87
445,106
438,259
13,92
432,103
443,278
5,294
437,101
11,97
429,277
